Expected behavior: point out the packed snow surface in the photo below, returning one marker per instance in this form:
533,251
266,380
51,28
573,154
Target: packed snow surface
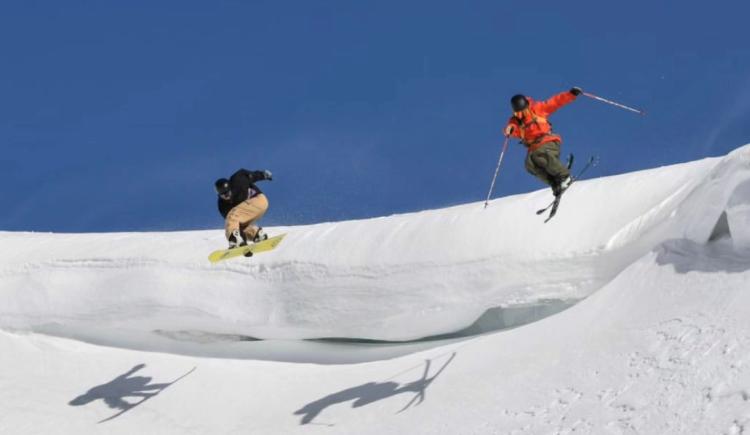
660,344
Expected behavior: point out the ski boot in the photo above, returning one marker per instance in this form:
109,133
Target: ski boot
561,186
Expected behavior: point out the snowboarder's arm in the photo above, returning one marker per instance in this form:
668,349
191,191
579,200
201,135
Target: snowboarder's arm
224,207
255,176
553,104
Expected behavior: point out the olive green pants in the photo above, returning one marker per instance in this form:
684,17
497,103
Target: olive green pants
544,163
245,214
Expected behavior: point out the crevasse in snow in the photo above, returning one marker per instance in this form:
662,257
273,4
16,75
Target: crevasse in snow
399,277
660,345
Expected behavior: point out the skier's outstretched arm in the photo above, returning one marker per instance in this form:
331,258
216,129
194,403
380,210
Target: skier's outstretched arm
555,103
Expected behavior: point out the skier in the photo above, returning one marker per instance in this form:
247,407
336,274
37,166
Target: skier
529,123
242,204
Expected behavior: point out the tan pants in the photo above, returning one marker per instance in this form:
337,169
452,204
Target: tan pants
245,214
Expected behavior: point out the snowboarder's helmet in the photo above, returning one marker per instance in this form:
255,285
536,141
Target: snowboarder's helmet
519,103
222,186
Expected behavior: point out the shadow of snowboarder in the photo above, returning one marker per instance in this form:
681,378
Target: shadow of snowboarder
114,392
371,392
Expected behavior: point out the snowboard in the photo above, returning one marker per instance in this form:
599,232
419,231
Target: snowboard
255,248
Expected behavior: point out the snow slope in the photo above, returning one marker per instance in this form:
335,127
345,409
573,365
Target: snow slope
660,345
394,278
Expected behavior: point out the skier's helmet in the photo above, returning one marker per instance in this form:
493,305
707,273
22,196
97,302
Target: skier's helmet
519,103
222,187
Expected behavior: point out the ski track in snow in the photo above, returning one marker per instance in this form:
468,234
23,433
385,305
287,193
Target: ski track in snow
659,345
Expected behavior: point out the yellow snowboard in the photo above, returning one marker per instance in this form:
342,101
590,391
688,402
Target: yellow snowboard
255,248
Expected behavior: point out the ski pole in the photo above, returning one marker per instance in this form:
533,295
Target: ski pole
621,106
497,169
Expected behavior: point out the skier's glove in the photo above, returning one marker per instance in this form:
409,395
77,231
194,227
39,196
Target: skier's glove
268,175
576,91
509,130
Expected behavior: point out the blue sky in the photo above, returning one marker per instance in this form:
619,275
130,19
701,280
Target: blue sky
120,115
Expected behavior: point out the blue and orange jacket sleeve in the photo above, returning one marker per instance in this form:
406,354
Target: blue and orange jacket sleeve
553,104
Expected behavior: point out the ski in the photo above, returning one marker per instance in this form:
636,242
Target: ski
555,205
593,161
571,159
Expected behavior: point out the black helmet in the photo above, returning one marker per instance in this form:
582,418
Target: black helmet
519,103
222,186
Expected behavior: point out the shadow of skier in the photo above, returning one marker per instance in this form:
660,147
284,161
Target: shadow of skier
114,392
371,392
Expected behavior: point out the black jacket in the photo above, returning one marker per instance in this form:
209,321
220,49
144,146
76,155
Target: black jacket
243,187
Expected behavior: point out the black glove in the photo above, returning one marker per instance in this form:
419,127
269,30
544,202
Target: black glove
576,91
268,175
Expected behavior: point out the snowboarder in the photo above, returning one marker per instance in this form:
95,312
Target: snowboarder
529,123
242,204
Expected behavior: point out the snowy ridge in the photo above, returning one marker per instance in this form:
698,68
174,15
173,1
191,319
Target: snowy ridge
660,346
693,210
393,278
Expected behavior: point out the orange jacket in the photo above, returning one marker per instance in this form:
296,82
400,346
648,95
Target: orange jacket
532,126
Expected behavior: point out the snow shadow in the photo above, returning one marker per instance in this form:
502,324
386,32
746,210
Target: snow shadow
114,392
371,392
716,256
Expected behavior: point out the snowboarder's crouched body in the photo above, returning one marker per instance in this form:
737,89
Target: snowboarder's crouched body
530,124
242,204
